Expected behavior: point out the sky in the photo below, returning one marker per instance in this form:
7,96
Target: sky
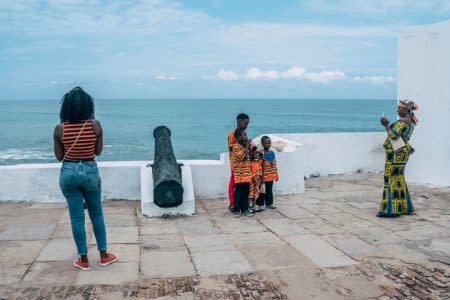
206,49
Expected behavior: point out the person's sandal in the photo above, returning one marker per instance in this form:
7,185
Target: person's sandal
271,206
108,260
85,266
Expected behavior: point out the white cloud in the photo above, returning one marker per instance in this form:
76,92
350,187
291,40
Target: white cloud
375,79
294,72
227,75
255,73
325,76
164,77
376,8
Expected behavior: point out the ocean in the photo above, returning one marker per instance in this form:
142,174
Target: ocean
199,127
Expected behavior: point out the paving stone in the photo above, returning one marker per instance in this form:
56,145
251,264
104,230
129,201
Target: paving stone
352,246
47,205
259,239
125,252
161,227
295,213
20,252
284,227
364,204
419,232
196,226
120,235
320,252
120,220
11,273
360,287
402,252
64,230
441,245
319,226
66,219
59,249
117,273
160,264
239,225
51,273
271,257
376,235
168,242
220,262
214,242
27,232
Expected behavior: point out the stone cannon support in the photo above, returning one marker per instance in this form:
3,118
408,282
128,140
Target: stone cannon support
168,189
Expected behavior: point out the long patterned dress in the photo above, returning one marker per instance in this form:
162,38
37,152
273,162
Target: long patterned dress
396,198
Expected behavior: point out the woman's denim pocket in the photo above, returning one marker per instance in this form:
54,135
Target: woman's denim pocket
90,168
66,178
92,177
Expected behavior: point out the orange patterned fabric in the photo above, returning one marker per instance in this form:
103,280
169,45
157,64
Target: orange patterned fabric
230,142
241,164
270,171
257,179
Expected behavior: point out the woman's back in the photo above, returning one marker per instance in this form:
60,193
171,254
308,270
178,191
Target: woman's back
79,141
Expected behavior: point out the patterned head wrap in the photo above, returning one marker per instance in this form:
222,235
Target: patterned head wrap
410,106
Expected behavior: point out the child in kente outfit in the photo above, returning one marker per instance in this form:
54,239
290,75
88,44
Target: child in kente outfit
240,153
257,178
270,174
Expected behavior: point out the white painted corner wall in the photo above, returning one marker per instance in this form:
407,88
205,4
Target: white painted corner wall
424,76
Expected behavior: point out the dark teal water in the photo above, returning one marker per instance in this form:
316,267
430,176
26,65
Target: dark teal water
199,127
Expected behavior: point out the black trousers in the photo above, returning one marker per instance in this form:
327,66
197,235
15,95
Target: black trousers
241,191
266,198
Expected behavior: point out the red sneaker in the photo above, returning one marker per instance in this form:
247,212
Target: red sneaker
85,266
108,260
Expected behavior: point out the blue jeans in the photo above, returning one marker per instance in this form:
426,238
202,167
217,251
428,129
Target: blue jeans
78,181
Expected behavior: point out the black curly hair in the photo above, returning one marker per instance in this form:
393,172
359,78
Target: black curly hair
76,106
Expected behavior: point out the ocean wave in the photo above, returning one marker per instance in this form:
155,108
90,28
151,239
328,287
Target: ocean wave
128,147
26,154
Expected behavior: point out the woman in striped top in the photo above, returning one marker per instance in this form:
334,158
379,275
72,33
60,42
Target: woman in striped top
77,140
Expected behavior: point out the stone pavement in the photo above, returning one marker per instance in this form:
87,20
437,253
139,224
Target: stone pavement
324,244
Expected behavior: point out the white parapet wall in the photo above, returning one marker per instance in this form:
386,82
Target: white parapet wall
424,76
340,153
319,154
122,179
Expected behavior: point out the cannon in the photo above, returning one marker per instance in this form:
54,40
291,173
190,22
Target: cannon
167,185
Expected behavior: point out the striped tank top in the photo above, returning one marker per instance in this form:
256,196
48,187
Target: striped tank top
84,149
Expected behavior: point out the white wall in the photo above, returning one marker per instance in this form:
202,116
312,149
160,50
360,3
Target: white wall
424,76
318,154
40,182
122,180
339,153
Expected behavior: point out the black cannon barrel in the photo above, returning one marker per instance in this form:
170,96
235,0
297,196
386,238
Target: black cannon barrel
167,185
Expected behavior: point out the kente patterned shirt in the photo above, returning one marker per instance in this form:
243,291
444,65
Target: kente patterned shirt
241,164
269,166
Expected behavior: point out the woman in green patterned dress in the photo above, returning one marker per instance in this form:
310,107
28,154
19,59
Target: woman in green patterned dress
396,197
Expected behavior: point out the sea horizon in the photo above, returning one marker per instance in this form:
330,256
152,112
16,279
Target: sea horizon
199,128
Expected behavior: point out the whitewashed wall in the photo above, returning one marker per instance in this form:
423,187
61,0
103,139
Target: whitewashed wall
424,76
340,153
319,154
121,180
